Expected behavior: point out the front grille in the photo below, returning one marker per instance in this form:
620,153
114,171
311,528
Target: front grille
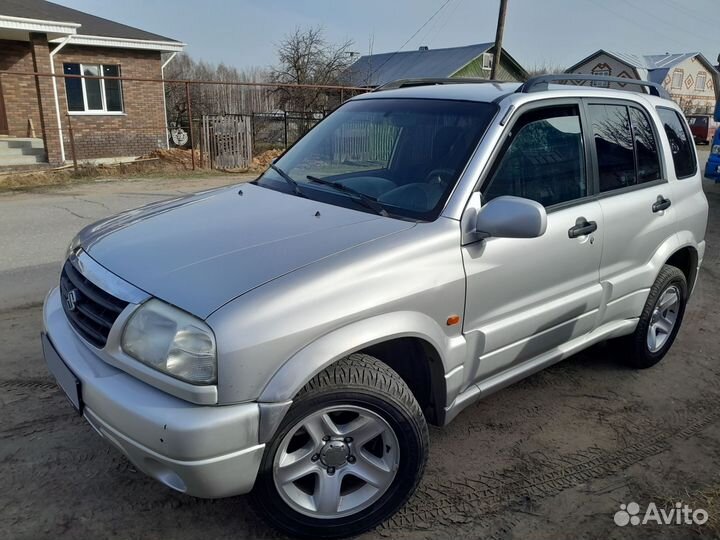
91,310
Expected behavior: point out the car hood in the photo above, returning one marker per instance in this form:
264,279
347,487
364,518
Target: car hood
200,252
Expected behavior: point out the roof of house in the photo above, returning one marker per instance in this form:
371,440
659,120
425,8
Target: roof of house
90,24
379,69
650,67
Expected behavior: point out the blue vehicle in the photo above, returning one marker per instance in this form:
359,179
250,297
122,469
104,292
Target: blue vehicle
712,169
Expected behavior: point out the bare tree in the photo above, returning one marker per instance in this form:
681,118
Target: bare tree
306,57
214,98
545,68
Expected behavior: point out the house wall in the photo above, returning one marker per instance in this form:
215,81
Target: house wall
140,129
690,98
475,70
19,93
603,62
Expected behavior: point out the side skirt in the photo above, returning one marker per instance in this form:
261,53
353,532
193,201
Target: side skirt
506,378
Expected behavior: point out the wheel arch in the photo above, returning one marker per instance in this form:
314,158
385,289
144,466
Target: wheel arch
686,259
411,343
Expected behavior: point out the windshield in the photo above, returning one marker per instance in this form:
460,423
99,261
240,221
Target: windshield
397,157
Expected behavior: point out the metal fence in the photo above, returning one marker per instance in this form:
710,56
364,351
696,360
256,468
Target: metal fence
51,118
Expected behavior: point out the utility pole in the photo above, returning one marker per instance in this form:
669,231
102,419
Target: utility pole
499,38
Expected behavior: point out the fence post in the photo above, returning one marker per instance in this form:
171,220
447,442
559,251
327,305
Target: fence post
285,120
189,111
72,143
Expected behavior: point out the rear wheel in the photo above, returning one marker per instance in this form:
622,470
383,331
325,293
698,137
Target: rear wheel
660,320
349,453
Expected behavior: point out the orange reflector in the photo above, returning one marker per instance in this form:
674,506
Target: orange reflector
453,319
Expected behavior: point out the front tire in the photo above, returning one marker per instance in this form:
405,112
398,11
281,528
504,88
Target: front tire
349,453
660,319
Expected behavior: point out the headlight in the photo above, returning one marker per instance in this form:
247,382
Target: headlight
716,149
172,341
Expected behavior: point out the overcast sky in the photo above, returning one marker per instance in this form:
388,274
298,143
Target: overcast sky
244,33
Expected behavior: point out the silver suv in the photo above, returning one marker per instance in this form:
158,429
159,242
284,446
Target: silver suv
421,248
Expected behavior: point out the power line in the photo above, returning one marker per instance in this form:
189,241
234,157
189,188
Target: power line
636,22
410,38
685,10
441,24
670,24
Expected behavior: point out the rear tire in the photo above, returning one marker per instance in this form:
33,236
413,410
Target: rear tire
354,433
660,320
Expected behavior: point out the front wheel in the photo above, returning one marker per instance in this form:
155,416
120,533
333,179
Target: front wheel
349,453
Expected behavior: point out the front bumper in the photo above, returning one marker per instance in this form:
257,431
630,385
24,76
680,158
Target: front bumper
205,451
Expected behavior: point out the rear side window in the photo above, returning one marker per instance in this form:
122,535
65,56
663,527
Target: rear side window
626,146
614,146
681,144
543,159
646,149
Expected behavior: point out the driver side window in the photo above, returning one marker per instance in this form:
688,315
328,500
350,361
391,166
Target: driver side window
543,159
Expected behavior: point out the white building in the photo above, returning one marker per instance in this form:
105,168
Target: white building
690,78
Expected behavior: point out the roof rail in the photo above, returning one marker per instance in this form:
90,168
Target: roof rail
541,83
408,83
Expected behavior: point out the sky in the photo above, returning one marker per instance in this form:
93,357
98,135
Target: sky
245,33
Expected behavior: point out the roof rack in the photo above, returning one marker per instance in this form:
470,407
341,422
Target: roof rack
408,83
541,83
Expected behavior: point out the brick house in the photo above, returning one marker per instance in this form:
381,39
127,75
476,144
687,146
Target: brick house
690,78
110,118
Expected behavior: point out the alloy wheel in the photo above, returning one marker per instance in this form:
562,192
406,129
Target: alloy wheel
336,461
663,318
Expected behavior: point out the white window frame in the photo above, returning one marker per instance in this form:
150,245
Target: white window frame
681,73
103,111
601,73
701,76
487,60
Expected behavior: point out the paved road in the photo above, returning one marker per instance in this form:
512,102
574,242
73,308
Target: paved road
36,227
551,457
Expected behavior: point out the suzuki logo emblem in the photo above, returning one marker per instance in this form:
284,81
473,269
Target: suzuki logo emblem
71,300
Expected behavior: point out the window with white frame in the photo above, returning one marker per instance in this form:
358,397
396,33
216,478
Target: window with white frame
677,78
93,95
487,61
601,72
701,81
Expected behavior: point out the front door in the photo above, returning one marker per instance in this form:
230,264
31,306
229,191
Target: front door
3,115
528,296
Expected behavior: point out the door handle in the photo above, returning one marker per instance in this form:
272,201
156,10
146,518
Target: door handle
582,227
661,204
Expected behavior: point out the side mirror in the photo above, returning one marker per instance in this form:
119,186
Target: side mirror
511,217
717,111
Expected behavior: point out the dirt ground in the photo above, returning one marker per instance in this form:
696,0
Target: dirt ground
552,457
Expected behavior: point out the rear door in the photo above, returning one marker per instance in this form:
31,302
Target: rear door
528,296
636,202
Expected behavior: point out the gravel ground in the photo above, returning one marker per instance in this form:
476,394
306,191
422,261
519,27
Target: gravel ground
551,457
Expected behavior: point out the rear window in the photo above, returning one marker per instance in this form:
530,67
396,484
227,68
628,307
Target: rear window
698,121
681,143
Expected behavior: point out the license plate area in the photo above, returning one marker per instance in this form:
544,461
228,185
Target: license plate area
65,378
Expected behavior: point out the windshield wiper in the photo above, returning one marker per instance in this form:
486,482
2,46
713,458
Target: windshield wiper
292,183
366,200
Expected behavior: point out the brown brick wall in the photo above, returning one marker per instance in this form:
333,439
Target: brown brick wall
140,129
19,93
